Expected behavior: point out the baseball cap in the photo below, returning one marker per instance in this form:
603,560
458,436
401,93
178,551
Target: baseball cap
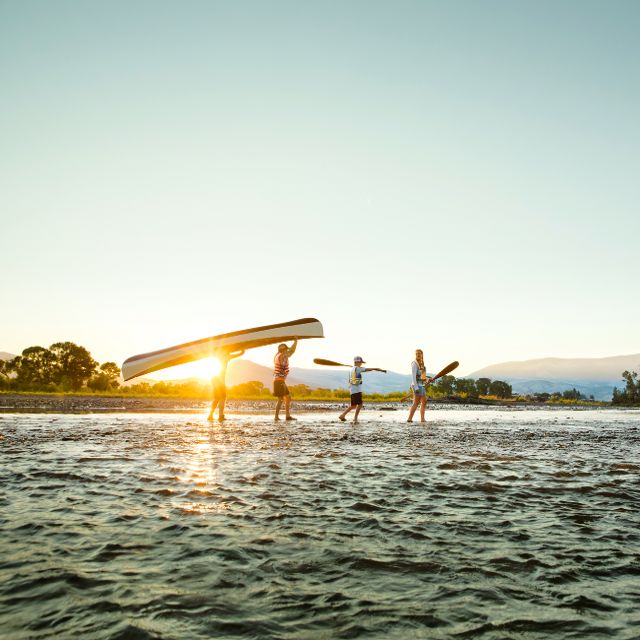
359,359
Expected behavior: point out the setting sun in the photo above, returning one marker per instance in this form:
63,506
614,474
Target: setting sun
204,369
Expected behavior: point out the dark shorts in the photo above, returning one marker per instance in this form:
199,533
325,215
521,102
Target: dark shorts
356,398
219,392
280,389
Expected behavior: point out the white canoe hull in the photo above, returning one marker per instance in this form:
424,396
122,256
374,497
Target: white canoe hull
236,340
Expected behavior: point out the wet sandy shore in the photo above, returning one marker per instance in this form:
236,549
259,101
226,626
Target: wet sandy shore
108,404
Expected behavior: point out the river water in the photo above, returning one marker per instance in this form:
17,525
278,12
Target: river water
480,524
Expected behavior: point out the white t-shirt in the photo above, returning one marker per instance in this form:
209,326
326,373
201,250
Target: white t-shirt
416,375
356,372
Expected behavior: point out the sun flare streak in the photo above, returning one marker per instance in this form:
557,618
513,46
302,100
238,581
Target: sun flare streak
203,369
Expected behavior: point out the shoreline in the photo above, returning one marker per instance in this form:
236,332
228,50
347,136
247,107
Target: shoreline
72,403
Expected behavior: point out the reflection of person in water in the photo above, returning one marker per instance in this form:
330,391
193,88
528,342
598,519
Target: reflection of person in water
219,383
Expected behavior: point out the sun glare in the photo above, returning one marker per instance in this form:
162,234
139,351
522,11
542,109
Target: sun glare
204,369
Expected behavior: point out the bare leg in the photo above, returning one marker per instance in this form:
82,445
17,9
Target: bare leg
287,408
343,415
214,404
278,405
355,417
414,406
423,406
221,409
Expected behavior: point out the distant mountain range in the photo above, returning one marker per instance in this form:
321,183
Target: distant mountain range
590,376
6,356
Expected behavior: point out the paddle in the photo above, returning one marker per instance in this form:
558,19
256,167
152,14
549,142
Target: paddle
450,367
331,363
447,369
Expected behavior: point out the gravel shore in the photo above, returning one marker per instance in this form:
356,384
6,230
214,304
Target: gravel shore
42,403
112,404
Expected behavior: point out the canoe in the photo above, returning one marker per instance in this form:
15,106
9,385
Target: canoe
246,339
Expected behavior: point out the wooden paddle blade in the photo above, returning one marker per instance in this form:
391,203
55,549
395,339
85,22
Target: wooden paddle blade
447,369
329,363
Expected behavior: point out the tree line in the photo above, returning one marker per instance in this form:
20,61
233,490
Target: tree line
630,395
64,366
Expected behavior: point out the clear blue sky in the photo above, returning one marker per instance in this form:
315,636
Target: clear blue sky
458,175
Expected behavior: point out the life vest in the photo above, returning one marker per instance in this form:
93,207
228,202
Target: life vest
355,377
421,374
280,366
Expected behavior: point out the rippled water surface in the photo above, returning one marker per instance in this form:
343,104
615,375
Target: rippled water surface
481,524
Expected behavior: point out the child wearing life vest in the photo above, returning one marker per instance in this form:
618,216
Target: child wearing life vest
355,384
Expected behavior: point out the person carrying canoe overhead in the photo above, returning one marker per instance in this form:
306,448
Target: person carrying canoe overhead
219,383
419,382
280,372
355,383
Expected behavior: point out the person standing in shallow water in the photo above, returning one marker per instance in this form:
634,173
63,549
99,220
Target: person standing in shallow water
355,384
280,372
219,383
419,382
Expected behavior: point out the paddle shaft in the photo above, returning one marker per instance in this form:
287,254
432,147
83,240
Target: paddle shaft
332,363
447,369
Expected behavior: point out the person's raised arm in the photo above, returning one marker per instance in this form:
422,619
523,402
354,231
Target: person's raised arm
292,348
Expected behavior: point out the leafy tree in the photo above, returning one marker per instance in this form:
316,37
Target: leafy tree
299,390
162,388
110,369
467,387
500,389
482,385
631,393
73,365
34,368
5,373
445,385
106,379
632,386
572,394
252,388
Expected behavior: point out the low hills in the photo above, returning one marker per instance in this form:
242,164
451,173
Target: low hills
590,376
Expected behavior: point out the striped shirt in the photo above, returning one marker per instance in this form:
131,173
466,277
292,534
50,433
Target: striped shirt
281,365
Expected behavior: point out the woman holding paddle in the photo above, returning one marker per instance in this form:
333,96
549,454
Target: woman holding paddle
419,382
